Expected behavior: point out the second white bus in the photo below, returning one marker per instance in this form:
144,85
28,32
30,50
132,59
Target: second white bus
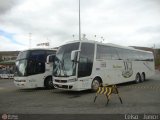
32,70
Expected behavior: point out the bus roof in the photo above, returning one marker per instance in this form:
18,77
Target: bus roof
107,44
39,49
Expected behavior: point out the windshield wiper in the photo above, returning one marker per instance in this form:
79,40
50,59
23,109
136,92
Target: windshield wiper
61,67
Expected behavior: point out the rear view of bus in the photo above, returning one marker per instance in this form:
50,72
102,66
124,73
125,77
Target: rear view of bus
32,71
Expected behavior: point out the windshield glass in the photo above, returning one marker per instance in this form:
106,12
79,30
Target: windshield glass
21,64
63,66
21,68
31,62
22,55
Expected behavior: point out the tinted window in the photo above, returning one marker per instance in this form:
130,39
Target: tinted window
38,55
35,67
149,57
86,60
123,53
106,52
134,55
36,62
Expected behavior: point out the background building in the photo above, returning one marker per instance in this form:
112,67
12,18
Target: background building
8,55
7,61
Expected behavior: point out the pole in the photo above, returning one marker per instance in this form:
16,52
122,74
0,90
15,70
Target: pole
30,34
154,50
79,21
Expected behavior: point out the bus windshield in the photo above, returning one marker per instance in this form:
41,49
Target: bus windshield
31,62
22,55
63,66
21,67
21,63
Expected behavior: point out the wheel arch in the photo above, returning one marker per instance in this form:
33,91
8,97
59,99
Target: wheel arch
144,73
99,78
45,79
138,73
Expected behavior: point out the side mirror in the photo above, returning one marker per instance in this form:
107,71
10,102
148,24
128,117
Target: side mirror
74,55
50,58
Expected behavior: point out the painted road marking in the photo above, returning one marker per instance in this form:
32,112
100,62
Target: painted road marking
145,87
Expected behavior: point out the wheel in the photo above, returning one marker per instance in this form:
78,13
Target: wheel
138,78
48,83
95,84
143,77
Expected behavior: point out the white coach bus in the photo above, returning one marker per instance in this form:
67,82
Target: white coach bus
32,70
81,65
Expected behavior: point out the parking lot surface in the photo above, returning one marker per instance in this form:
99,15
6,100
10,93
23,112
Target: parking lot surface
137,98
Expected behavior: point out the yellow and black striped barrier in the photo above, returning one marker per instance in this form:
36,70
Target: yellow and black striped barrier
107,91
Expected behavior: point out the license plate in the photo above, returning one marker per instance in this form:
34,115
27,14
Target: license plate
60,85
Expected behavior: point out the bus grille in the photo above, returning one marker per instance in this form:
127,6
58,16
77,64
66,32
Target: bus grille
64,86
61,81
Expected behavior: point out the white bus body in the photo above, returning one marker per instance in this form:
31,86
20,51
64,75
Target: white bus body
32,70
81,65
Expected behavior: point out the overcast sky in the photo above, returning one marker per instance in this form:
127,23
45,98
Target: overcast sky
123,22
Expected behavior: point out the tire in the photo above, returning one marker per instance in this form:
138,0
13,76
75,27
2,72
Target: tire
138,78
95,84
143,77
48,83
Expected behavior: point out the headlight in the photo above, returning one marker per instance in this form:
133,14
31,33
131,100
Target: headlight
72,80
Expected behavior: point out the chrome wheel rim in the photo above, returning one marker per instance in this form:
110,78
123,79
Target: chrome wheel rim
50,83
137,78
142,78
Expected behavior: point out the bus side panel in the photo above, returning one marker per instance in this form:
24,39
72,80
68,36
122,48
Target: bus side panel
121,71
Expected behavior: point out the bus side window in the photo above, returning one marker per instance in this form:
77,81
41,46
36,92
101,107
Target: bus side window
106,53
86,60
40,67
30,68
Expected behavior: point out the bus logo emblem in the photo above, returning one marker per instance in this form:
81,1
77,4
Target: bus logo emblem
128,71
